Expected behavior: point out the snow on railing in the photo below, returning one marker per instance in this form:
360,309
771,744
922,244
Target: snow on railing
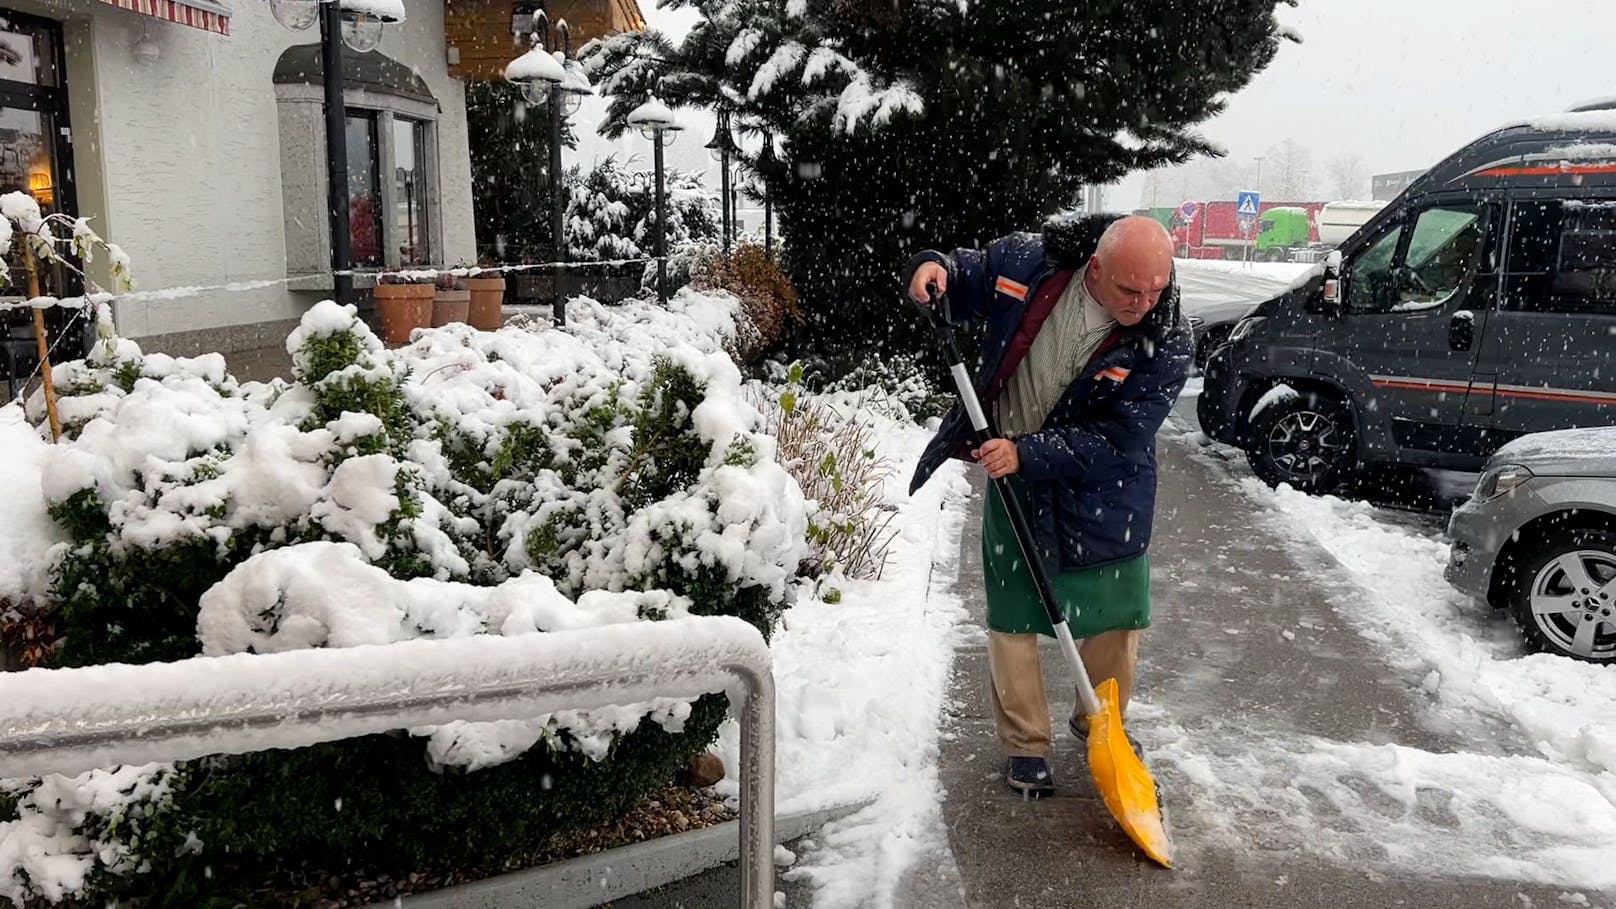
69,721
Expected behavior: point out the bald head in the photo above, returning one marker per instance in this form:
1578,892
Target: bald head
1130,268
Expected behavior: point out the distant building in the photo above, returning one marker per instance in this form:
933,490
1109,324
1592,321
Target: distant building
1385,187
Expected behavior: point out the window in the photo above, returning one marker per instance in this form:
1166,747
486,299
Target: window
1369,276
1417,266
1562,257
34,153
410,192
392,148
364,189
27,51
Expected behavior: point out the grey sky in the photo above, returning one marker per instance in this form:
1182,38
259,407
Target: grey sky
1405,82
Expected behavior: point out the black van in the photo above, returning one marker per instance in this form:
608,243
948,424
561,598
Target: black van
1478,306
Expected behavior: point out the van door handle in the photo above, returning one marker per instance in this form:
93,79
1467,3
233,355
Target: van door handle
1462,330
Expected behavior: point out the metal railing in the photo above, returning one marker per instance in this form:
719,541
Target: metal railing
72,720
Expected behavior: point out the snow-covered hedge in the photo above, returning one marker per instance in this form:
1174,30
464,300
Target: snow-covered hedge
511,482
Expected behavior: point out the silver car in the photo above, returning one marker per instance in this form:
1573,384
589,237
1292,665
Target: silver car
1538,537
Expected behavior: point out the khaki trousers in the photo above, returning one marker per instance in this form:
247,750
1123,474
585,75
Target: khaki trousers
1020,707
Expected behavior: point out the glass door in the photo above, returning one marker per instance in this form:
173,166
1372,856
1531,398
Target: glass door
36,154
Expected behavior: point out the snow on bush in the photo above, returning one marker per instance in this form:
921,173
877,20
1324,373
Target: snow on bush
611,212
511,482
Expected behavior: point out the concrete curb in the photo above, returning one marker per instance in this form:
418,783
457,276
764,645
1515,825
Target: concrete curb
590,880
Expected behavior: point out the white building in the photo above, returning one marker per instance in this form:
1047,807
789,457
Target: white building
193,135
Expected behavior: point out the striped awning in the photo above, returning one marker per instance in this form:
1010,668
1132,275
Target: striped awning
203,14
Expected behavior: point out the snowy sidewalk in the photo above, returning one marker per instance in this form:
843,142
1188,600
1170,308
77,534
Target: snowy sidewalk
1256,697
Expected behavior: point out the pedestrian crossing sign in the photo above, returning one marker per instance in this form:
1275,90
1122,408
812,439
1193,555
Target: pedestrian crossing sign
1248,204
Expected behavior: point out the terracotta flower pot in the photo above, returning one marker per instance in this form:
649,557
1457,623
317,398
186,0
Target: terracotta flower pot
450,306
403,308
487,302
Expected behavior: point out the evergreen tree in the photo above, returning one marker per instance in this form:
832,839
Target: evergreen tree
509,141
611,212
909,124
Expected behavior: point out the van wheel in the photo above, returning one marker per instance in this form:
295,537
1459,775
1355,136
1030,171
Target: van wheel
1274,254
1307,441
1564,596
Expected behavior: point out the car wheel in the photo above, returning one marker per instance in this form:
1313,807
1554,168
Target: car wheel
1564,596
1307,441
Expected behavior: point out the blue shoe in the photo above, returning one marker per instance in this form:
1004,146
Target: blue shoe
1030,776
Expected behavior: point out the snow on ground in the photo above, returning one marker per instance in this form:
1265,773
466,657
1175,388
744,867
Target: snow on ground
27,533
1276,272
1393,809
1548,817
1468,660
860,693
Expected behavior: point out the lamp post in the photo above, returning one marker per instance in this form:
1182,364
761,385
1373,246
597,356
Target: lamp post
765,165
723,149
655,122
358,23
550,77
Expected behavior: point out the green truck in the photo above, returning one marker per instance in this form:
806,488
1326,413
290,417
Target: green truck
1280,230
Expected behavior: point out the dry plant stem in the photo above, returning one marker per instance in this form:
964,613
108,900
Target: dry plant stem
828,459
39,338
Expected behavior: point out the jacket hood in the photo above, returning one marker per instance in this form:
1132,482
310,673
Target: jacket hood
1070,243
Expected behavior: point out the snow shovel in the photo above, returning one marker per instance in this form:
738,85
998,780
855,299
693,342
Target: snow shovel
1123,781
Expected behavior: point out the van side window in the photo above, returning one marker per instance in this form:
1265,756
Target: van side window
1419,266
1562,257
1369,278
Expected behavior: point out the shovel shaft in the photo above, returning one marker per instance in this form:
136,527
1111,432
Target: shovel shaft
1085,688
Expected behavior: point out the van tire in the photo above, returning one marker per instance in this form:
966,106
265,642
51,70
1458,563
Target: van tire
1275,254
1542,575
1308,441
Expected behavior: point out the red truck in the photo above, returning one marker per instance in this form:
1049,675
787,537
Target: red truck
1212,231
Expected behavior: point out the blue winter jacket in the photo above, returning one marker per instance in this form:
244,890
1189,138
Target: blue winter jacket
1091,470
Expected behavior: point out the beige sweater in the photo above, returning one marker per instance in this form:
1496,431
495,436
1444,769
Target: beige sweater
1065,342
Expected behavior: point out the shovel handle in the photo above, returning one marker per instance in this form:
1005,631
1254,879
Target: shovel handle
984,432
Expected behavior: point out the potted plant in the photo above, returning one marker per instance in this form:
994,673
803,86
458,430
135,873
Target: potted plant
487,289
451,301
404,303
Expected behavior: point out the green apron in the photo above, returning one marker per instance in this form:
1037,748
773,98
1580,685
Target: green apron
1109,598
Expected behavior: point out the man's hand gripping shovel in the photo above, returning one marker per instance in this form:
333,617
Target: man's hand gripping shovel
1123,781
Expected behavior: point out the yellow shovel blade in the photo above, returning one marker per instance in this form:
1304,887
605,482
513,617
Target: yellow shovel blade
1123,781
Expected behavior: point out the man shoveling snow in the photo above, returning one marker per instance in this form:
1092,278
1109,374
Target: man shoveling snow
1086,351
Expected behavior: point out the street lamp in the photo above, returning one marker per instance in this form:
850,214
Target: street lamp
722,147
655,122
358,23
552,78
765,166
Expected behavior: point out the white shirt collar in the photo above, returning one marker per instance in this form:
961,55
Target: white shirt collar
1094,315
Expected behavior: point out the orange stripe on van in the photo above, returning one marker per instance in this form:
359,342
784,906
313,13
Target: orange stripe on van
1548,170
1422,385
1545,394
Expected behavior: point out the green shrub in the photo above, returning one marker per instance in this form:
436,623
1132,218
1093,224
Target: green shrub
554,478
